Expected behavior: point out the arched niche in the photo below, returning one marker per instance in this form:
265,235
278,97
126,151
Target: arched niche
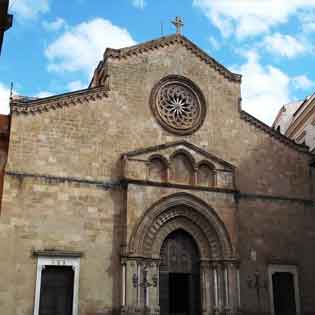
206,174
182,167
158,168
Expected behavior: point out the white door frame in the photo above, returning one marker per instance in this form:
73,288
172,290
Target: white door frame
284,268
43,261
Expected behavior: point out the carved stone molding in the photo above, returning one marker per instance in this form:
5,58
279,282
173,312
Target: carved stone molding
178,105
184,211
35,106
166,41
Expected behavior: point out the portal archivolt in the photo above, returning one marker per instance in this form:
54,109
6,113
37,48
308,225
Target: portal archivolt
186,212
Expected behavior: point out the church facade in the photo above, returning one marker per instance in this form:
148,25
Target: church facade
153,192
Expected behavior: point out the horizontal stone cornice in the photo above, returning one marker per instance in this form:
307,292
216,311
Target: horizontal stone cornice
273,198
123,184
110,184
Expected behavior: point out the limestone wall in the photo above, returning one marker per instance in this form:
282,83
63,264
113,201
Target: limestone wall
47,215
276,232
86,140
72,146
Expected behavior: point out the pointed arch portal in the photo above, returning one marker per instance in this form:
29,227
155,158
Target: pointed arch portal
183,242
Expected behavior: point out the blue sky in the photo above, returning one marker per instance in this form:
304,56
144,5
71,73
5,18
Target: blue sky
54,45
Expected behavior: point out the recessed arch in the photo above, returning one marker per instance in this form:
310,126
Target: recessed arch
182,167
158,168
185,211
206,174
205,162
186,153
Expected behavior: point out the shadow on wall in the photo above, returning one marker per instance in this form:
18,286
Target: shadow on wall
119,199
4,147
276,221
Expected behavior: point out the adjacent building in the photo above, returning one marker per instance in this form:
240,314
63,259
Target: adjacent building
5,19
296,121
153,192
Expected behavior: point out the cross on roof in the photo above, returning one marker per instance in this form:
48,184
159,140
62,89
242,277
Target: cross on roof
178,22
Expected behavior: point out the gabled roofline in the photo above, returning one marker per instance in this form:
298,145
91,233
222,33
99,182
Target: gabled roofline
174,144
33,106
273,133
164,41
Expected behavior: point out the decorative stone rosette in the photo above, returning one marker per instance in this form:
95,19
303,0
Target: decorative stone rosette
178,105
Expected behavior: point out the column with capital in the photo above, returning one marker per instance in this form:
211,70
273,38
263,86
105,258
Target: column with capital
152,288
226,287
235,286
129,292
205,288
216,288
232,289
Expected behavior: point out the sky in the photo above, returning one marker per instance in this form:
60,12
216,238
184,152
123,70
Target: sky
54,45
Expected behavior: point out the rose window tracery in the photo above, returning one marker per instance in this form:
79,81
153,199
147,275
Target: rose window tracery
178,105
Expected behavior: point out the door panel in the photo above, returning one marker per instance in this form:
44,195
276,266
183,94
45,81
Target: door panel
56,294
283,293
179,293
164,293
179,275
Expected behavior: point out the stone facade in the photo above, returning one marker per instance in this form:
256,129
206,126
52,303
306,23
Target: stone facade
93,174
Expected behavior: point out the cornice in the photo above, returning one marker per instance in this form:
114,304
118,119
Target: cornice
273,133
37,106
168,41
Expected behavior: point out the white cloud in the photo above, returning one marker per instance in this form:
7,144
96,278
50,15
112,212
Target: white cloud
302,82
81,47
43,94
250,17
214,43
4,99
307,20
29,9
77,85
284,45
139,4
55,25
264,88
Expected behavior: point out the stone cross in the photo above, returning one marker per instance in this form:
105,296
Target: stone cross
178,22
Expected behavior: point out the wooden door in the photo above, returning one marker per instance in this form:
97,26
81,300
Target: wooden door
179,275
56,294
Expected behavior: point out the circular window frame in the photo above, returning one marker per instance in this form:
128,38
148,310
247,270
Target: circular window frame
193,88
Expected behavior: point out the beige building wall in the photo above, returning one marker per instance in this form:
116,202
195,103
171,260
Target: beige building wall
62,189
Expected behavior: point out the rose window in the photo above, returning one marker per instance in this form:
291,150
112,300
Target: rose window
177,105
